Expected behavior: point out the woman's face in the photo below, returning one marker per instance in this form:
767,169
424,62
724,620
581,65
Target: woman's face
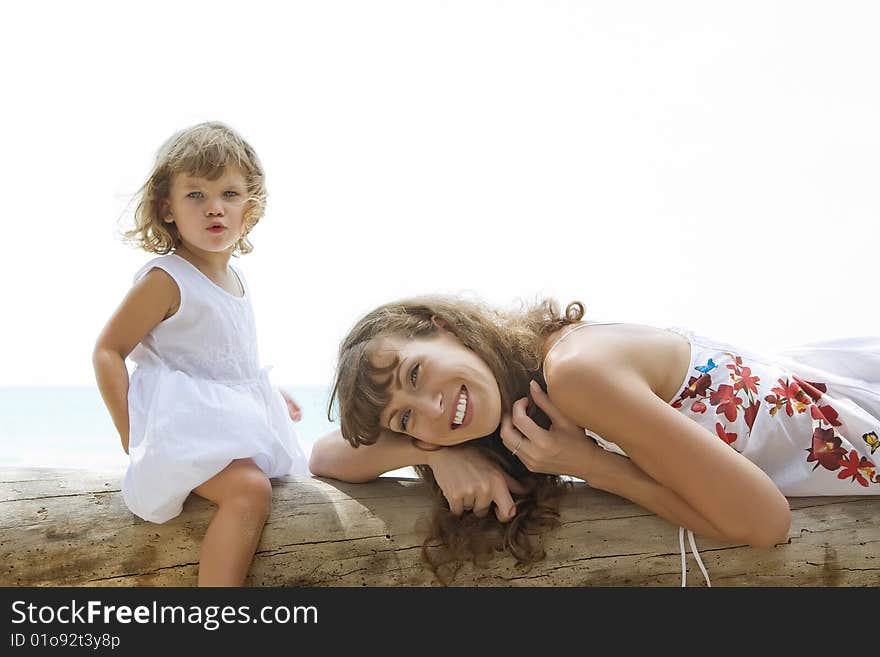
441,392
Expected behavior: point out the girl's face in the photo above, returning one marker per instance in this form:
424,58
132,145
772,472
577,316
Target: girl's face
209,214
441,392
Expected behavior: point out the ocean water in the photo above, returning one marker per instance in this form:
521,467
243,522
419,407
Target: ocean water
69,427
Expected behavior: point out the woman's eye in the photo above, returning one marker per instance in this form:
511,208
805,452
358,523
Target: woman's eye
414,374
194,195
404,420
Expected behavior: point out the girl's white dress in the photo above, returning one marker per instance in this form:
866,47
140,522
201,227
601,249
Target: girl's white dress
198,398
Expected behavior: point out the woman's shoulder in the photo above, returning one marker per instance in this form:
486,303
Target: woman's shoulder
583,347
593,341
592,354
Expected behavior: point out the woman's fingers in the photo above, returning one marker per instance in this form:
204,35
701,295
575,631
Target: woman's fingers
505,508
456,505
483,502
514,486
542,399
511,436
505,516
499,491
524,423
500,488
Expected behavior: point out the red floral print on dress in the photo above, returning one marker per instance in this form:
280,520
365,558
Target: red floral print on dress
826,450
745,380
825,414
695,389
790,396
729,438
795,395
726,400
860,469
815,391
751,413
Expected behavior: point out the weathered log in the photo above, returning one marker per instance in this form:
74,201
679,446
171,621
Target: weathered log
71,528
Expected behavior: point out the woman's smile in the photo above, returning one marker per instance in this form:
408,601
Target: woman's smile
463,412
441,391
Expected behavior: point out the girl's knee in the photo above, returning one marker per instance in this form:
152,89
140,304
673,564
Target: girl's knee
250,491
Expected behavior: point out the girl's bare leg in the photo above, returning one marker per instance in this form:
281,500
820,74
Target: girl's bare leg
243,495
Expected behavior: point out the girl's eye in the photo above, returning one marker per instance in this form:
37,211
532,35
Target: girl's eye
414,374
404,420
194,195
230,193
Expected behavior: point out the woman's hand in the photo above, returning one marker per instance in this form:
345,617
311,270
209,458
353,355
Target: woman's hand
563,449
470,480
293,408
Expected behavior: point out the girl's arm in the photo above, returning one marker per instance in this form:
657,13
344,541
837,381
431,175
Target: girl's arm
467,478
152,299
678,467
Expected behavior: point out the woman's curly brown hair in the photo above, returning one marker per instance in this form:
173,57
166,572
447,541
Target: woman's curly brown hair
512,345
204,151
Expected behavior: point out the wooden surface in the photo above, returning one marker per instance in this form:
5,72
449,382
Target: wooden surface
71,528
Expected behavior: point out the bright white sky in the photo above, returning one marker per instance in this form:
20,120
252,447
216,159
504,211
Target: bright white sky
706,164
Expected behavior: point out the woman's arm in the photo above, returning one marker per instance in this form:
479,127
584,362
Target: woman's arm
148,302
466,477
619,475
564,449
333,456
604,392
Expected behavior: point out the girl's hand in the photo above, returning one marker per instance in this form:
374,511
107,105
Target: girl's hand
469,480
563,449
293,408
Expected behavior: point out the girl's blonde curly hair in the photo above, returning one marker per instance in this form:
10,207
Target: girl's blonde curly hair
204,151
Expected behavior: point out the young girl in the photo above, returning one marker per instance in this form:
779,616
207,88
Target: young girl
199,414
710,436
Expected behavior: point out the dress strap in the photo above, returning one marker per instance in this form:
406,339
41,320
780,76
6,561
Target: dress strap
576,327
696,555
242,283
168,264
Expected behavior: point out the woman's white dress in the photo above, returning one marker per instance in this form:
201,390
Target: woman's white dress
809,417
